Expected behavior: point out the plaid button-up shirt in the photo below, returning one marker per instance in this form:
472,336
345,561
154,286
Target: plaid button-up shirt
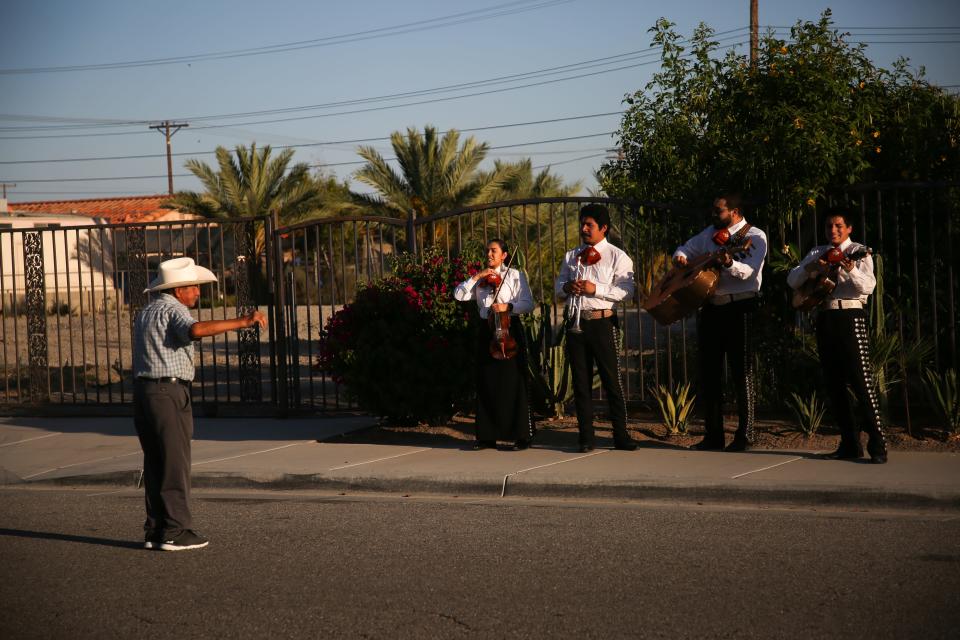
161,340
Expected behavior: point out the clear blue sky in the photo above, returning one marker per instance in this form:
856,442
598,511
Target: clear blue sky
529,36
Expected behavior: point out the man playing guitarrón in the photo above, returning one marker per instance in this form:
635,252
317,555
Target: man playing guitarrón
842,338
723,324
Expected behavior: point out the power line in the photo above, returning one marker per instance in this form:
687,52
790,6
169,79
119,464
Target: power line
382,108
630,55
314,144
557,164
506,9
584,64
316,165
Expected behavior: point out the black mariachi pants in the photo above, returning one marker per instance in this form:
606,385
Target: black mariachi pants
725,330
503,412
844,347
598,343
163,416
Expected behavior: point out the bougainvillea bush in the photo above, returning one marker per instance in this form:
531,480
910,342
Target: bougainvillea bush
404,348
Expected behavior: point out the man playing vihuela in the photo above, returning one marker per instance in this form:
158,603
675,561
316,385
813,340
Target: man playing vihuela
843,341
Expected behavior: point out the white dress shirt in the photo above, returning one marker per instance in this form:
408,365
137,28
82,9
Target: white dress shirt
612,275
515,291
853,285
745,274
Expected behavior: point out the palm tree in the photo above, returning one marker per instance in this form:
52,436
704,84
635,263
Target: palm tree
436,174
525,184
251,184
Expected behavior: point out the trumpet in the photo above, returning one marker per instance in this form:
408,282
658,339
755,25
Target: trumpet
585,258
576,304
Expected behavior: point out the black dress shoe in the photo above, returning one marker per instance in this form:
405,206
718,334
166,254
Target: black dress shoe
626,445
586,448
845,452
484,444
707,445
738,444
520,445
877,450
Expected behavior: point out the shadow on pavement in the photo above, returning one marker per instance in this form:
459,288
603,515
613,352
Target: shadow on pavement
66,537
212,429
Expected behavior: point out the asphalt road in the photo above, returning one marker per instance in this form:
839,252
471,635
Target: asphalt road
298,564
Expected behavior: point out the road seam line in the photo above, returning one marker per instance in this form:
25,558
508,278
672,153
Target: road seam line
75,464
49,435
106,493
251,453
779,464
357,464
503,489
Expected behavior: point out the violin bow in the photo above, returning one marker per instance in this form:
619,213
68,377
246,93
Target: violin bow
502,280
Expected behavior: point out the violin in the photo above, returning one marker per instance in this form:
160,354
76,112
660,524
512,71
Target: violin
721,237
503,346
589,256
493,280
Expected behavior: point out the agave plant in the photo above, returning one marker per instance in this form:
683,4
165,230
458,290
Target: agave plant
547,362
675,406
944,395
808,412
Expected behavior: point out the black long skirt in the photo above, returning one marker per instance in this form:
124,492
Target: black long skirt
503,412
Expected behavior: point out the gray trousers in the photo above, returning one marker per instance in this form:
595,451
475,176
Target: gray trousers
163,416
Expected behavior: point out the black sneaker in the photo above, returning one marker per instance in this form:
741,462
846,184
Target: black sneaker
185,540
152,540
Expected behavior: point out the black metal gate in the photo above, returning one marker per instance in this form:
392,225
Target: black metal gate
69,294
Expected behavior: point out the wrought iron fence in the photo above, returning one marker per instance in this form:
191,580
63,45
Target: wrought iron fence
69,295
321,264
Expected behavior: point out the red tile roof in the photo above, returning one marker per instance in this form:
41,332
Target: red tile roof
114,210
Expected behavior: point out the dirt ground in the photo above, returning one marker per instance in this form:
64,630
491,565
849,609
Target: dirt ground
562,433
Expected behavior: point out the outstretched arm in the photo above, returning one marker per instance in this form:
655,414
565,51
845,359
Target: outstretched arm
216,327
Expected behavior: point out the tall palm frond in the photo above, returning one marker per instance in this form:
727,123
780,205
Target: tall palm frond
251,182
436,173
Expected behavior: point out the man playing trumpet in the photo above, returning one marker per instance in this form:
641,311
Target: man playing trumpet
593,278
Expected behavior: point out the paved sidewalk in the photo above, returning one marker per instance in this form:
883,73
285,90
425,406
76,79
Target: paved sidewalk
309,453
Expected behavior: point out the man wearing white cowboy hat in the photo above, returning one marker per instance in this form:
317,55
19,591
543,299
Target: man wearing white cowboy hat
164,332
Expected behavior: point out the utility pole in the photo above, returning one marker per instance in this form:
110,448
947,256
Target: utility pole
165,128
5,185
754,32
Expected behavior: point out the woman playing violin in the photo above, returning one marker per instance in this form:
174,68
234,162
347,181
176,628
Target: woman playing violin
502,294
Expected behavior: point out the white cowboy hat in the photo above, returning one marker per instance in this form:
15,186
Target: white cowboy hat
180,272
